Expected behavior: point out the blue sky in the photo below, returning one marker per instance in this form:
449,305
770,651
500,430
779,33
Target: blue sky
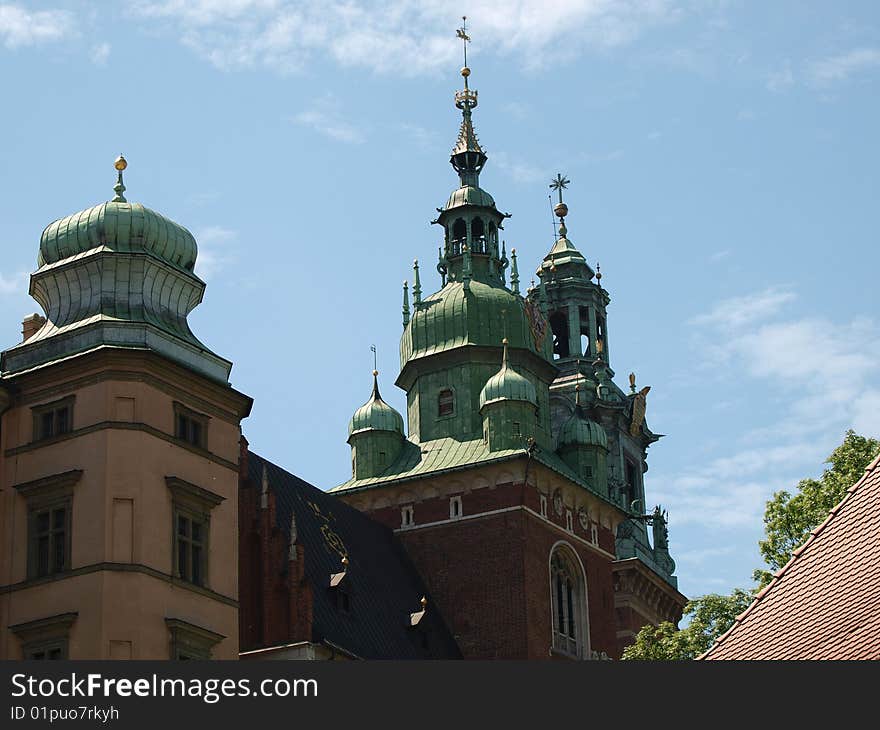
723,158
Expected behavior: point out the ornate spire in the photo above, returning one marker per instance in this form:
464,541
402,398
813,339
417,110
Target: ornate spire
119,188
563,251
405,304
417,285
514,272
467,157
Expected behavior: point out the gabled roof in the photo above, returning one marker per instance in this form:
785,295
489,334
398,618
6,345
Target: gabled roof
383,587
825,602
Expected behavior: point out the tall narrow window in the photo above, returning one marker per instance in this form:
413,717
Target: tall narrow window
568,594
459,236
517,431
406,516
455,507
192,506
445,402
559,328
478,236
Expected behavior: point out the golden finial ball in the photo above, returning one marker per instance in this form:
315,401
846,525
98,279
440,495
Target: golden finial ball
465,71
120,163
504,341
375,373
561,210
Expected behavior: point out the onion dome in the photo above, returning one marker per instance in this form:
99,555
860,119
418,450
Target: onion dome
469,195
579,430
507,385
375,414
118,226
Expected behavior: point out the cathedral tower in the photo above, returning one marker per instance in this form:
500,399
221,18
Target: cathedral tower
499,492
119,446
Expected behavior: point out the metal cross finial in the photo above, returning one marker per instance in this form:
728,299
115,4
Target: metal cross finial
559,183
373,350
465,38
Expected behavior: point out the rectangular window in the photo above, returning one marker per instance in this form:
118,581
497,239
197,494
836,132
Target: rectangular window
516,429
49,537
45,639
190,426
569,521
445,403
543,506
455,510
191,548
53,419
406,516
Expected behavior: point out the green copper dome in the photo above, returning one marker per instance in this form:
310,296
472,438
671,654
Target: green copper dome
481,314
375,415
581,431
122,227
507,384
469,195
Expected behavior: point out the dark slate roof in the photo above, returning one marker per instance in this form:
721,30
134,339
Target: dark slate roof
383,585
825,602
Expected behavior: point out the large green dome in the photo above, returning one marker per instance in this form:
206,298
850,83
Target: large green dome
579,430
120,227
482,314
375,415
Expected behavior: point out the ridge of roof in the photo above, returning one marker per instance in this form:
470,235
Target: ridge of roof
780,574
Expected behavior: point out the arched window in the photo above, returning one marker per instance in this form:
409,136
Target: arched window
559,328
459,236
445,402
478,236
569,603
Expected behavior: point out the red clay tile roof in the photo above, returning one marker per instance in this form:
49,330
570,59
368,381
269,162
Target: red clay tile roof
825,602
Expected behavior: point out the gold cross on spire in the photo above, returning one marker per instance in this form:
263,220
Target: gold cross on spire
559,183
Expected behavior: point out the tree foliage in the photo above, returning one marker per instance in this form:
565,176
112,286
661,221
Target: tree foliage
710,616
789,518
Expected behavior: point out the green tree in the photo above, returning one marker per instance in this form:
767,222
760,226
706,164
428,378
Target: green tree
710,616
789,518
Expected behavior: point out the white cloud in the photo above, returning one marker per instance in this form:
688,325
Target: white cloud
324,118
214,252
100,54
823,377
401,36
740,311
519,170
20,26
839,68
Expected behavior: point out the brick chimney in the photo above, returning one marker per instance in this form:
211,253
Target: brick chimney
31,325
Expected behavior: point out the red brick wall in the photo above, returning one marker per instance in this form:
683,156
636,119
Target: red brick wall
491,576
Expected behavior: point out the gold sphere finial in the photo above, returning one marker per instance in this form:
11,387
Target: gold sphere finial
120,163
375,373
465,71
504,341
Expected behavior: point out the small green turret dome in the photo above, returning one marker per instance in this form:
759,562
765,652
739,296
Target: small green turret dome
120,226
507,384
469,195
375,414
581,431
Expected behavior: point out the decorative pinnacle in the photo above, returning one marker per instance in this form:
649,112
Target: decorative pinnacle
632,382
120,164
465,39
417,285
598,275
424,603
504,354
514,272
405,304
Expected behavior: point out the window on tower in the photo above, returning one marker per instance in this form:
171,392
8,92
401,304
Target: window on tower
478,236
585,330
53,419
459,236
445,402
568,598
559,327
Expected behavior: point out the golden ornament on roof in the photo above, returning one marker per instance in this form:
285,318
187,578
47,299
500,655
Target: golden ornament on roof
120,163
